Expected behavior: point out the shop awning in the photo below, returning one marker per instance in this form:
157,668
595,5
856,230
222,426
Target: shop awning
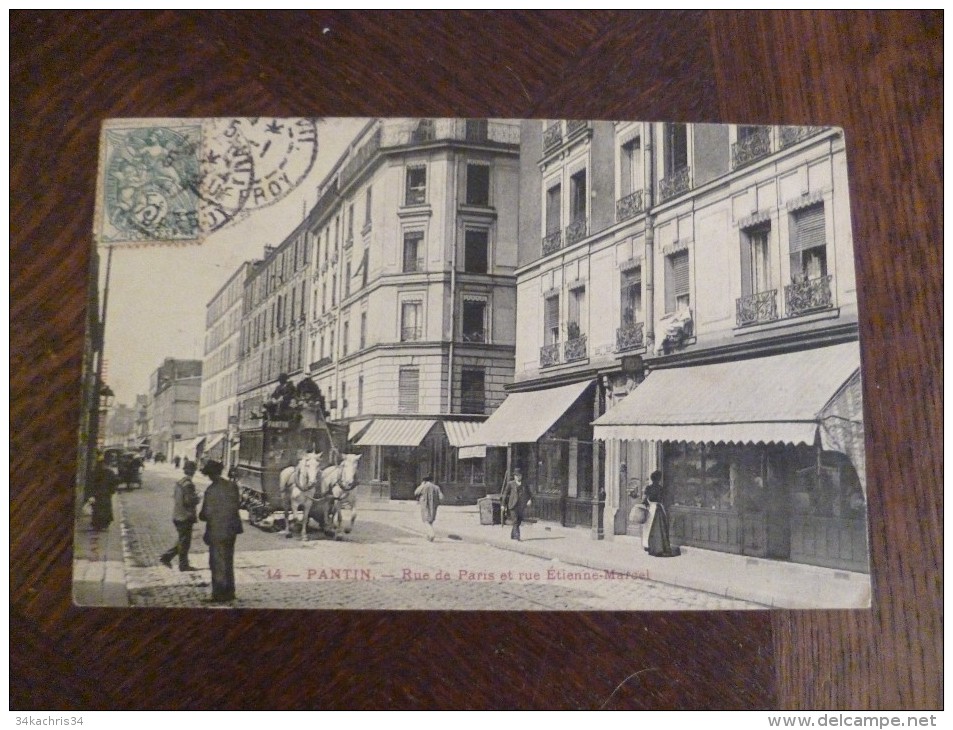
776,399
395,432
216,440
188,447
523,418
459,431
356,428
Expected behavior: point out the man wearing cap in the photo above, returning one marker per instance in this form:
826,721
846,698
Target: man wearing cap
222,525
515,498
186,499
281,398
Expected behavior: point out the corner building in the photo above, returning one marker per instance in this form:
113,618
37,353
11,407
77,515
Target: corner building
687,302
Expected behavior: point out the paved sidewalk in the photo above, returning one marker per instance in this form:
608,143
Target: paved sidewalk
99,574
771,583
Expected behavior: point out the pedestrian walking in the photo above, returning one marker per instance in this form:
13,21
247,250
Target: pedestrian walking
101,490
515,498
185,500
222,525
429,497
655,532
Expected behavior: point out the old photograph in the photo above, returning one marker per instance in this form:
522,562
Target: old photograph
471,364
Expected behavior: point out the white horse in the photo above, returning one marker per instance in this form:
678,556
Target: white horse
340,482
300,485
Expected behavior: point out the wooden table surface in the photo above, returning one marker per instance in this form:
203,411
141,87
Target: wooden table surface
878,75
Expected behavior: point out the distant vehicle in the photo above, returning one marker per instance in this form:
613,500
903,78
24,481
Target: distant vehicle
129,469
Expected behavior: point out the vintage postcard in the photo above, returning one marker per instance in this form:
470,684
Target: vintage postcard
472,364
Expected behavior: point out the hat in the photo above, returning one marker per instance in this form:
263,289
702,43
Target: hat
189,467
213,468
283,377
517,470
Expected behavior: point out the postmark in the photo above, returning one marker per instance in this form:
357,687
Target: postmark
178,182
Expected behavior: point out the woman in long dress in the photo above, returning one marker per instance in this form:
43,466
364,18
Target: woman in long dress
655,531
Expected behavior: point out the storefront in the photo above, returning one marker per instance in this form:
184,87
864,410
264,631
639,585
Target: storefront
762,457
547,434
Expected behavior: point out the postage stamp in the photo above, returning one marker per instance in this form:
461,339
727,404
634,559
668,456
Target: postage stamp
473,364
180,180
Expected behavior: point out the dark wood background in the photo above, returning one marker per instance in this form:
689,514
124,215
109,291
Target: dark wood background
879,75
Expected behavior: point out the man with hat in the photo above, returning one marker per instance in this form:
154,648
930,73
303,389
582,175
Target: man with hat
281,398
515,498
222,525
186,499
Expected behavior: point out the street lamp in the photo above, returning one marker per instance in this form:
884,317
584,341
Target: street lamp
106,397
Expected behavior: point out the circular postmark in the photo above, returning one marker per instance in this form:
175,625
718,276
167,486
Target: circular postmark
282,153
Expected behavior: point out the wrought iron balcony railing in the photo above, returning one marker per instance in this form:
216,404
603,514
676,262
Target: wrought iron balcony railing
630,336
395,134
808,295
577,230
574,126
575,349
411,334
792,135
552,136
754,308
629,206
360,158
678,182
753,147
552,242
549,355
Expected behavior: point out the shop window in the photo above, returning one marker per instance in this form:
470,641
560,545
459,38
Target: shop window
478,185
408,387
416,191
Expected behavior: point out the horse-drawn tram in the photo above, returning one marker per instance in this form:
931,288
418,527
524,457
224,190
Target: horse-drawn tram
294,458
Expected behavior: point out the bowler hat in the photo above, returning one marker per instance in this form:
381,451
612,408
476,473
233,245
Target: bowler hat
213,468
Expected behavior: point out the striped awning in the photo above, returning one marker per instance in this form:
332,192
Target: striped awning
459,431
395,432
216,440
777,399
356,428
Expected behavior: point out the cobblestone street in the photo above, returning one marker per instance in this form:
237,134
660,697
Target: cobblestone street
385,563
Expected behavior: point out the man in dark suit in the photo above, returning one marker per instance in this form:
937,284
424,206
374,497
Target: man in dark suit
515,498
222,525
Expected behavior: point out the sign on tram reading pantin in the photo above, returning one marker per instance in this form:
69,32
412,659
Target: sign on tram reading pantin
472,364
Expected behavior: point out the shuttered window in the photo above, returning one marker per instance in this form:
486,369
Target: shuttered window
473,389
553,209
808,243
551,320
676,282
408,388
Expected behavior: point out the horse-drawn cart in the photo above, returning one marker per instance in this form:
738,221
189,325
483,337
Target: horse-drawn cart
272,446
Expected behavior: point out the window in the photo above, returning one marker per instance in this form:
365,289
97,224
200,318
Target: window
677,296
808,246
363,330
631,304
475,254
474,320
364,264
411,321
551,320
360,394
350,222
472,390
413,261
478,185
324,296
424,131
408,390
322,347
343,399
630,168
676,148
347,279
755,277
345,337
576,326
416,193
577,196
367,208
476,130
334,290
553,209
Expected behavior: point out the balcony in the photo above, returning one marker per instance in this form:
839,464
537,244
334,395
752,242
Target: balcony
630,337
552,242
808,295
760,307
793,135
577,230
396,134
323,362
549,355
678,182
629,206
753,147
360,158
552,136
411,334
575,349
